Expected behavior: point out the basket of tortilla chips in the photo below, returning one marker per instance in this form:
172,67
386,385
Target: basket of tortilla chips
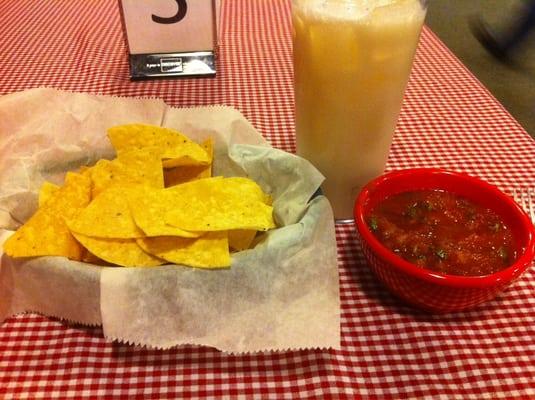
164,226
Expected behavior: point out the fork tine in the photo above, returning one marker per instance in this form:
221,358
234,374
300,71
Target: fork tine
525,200
530,198
519,198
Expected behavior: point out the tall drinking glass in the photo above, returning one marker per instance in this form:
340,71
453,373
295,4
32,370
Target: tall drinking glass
352,60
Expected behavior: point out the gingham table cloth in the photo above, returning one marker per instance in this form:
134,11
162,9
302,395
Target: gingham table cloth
389,350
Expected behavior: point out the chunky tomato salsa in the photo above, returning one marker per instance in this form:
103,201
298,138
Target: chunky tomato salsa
443,232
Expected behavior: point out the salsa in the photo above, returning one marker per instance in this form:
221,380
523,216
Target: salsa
443,232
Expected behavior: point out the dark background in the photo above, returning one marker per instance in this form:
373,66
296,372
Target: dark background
513,86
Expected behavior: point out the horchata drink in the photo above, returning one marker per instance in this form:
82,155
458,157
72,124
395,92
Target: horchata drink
352,60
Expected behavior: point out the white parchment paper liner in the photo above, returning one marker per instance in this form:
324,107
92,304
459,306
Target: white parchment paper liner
283,294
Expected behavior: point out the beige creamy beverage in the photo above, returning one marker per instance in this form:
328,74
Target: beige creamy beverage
352,60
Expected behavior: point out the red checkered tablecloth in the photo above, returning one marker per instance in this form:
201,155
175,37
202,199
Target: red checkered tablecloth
388,349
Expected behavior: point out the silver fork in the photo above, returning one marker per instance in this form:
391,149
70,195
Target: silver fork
526,199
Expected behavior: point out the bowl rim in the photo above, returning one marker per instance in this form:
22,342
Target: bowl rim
456,281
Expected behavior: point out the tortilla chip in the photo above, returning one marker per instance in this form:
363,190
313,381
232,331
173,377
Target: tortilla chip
136,167
177,175
241,239
90,258
208,251
108,216
242,187
219,204
84,169
148,208
46,192
176,149
123,252
46,233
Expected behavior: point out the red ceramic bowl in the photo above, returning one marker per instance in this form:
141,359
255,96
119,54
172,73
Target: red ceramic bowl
427,289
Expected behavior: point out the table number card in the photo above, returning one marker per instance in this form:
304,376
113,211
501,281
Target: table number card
171,37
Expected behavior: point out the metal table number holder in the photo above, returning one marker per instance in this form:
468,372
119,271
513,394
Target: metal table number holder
171,38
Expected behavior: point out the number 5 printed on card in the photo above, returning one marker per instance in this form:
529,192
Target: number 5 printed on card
179,16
